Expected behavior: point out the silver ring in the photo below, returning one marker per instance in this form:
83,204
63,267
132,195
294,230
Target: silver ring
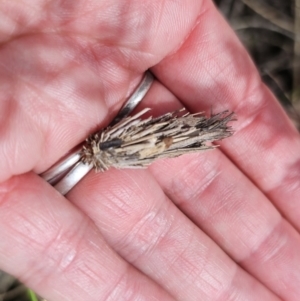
65,174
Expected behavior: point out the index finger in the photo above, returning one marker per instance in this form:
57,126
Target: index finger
216,72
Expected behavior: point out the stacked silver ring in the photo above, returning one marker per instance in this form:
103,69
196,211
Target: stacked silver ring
65,174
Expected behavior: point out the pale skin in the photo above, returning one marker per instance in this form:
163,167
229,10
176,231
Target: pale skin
221,225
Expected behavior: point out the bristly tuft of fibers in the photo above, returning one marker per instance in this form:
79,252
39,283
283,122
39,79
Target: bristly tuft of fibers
135,143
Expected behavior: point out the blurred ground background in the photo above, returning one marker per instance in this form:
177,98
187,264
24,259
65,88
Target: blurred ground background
270,30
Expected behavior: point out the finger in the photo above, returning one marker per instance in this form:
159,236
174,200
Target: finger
67,68
216,72
146,229
55,249
213,193
139,32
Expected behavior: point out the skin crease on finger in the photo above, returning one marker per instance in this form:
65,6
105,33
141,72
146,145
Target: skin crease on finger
72,59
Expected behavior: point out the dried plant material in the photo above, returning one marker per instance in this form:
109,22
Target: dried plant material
136,143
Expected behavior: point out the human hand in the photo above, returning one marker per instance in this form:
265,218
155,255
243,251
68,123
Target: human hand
221,225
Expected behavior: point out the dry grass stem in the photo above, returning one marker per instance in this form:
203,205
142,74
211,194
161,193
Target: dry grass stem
272,14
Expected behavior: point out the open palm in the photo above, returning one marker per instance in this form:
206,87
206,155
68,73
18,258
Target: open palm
222,225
